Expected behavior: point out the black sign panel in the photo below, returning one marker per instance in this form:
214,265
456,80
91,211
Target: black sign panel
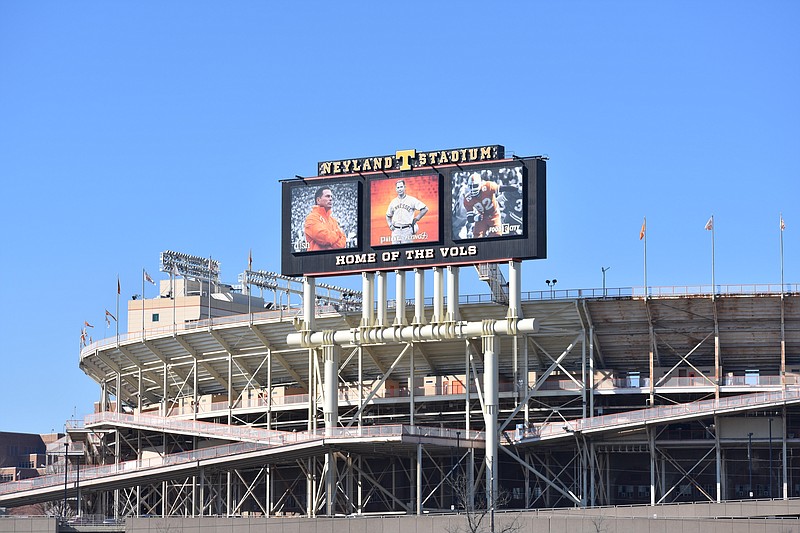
432,216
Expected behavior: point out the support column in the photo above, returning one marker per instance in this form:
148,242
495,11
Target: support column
400,297
309,302
438,295
419,296
381,297
652,440
784,458
419,479
718,453
367,299
491,380
330,355
453,314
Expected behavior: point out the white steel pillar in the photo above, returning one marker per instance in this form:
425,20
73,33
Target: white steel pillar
491,380
718,453
419,296
380,290
367,299
400,297
330,355
438,295
784,457
453,313
309,303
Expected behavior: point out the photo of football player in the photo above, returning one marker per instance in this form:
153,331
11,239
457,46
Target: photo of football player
485,206
403,214
404,211
325,217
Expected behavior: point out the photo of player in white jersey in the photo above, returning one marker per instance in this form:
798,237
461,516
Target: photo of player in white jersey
404,210
403,214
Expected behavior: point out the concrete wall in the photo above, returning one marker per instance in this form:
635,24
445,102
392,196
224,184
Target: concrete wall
436,524
13,524
528,523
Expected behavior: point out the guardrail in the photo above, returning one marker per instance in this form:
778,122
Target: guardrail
642,416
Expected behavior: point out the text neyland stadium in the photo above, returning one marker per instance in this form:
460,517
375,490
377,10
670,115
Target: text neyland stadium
408,159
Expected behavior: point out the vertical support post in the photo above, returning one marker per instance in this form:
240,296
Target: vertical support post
470,470
718,453
228,494
717,370
367,299
652,366
231,400
491,380
453,314
411,397
419,296
195,397
164,393
330,355
652,438
309,304
438,295
418,505
400,297
268,490
591,371
381,297
269,388
784,457
584,381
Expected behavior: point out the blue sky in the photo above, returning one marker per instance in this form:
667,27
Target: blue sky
129,128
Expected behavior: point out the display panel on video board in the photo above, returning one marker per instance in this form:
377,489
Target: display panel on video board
324,216
404,210
488,203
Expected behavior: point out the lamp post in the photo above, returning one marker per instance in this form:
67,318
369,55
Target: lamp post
750,460
551,284
604,270
66,464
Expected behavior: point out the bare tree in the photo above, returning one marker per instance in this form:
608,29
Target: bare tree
478,514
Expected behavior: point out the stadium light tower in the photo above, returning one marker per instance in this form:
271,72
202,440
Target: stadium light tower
604,270
551,284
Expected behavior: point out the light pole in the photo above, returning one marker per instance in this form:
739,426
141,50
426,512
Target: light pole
750,460
551,284
604,270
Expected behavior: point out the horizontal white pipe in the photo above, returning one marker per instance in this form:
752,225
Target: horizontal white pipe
429,332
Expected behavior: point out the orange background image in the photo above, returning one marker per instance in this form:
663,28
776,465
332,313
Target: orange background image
382,192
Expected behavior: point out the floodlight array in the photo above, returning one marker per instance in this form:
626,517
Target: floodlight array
190,266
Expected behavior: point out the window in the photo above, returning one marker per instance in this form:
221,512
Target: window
155,317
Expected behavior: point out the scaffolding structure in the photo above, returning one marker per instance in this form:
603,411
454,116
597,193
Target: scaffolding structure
356,403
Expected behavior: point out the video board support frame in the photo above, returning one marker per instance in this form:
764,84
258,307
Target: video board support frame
462,214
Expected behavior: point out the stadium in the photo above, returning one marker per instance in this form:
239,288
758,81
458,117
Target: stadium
282,396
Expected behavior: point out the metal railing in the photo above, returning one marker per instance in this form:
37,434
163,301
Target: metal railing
642,416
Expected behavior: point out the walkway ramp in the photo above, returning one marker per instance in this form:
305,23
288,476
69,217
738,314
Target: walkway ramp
656,416
277,446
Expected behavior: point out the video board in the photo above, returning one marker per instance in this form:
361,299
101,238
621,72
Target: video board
490,209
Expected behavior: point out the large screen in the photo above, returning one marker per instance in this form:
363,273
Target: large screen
404,210
487,203
324,216
393,220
